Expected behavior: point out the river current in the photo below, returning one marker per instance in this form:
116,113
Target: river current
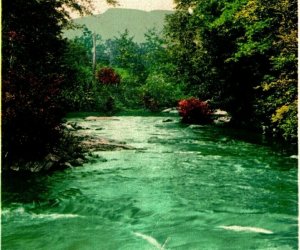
182,187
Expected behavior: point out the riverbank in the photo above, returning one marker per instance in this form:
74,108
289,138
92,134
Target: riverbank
75,148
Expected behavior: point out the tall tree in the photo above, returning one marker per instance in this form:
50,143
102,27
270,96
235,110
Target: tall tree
271,31
125,53
242,55
32,73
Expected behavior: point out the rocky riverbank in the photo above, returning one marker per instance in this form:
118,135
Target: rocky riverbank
80,141
76,147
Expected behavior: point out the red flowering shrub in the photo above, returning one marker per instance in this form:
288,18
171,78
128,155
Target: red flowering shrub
108,76
193,110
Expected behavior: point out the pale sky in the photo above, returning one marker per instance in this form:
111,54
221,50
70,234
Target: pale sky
148,5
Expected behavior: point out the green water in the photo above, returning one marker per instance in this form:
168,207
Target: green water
182,188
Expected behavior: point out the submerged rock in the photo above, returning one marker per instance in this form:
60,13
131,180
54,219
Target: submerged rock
77,162
220,112
102,144
168,120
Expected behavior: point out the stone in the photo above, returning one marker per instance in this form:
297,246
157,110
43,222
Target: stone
34,167
67,165
15,167
222,120
52,157
48,165
96,118
78,162
220,112
69,127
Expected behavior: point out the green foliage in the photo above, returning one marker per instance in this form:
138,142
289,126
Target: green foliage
279,40
144,71
158,92
242,55
34,73
76,94
125,53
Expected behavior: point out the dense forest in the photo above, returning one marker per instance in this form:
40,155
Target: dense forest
242,55
239,56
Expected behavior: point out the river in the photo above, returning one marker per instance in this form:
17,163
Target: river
182,187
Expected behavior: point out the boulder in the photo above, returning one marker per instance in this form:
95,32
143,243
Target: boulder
69,127
52,158
220,112
222,120
67,165
221,117
34,167
77,162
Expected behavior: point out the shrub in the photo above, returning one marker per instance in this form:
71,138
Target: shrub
108,76
159,92
193,110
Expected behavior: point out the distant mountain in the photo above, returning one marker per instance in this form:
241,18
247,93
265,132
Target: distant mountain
115,21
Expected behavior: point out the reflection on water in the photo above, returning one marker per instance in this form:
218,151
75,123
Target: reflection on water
182,188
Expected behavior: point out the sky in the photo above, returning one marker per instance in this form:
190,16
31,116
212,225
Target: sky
148,5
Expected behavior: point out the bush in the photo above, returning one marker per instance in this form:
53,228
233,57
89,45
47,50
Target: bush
193,110
285,121
108,76
159,92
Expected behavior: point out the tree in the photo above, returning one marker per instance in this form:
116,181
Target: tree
86,39
271,30
125,53
242,55
33,72
153,50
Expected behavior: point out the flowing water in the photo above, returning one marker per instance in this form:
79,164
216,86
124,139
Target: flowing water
181,188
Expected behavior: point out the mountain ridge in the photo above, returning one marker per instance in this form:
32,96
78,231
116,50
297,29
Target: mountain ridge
115,20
